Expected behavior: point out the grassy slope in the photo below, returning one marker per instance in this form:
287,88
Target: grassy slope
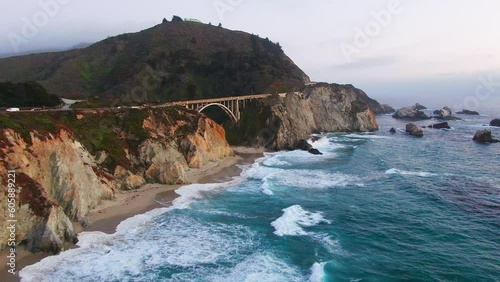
110,131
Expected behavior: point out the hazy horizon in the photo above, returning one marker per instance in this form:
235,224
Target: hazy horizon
398,52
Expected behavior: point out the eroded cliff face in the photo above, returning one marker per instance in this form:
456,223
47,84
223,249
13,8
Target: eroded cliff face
281,122
64,172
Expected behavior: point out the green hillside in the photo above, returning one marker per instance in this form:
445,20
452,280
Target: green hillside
26,94
168,62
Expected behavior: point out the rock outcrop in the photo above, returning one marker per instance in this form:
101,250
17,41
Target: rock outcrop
442,125
484,136
420,106
468,112
66,163
414,130
495,122
392,130
280,123
385,109
410,113
305,146
445,114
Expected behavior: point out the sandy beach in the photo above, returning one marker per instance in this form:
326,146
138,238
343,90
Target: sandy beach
106,216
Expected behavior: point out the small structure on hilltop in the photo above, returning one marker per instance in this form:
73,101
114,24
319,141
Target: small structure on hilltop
192,20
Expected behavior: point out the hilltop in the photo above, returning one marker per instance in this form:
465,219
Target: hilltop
168,62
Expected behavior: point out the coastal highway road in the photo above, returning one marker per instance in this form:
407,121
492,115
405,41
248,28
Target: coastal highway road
78,110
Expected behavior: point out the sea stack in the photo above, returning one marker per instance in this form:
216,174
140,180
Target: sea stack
484,136
495,122
414,130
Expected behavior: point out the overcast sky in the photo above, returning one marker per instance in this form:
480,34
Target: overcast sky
397,51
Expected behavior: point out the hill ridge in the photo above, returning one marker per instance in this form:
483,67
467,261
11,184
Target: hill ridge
167,62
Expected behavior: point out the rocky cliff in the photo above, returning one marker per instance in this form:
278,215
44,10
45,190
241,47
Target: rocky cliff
66,163
280,123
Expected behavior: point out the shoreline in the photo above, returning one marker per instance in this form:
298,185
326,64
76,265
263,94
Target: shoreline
108,214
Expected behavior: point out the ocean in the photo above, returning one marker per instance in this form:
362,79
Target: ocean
374,207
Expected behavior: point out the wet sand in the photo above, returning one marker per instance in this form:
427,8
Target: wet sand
110,213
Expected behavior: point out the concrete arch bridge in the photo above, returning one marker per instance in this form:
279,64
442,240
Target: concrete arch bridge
231,105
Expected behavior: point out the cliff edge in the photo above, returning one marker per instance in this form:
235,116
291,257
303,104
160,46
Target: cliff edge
67,162
280,123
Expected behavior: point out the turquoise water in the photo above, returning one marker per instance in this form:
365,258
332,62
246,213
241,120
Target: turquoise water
376,207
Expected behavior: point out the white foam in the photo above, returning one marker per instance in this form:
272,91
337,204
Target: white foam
122,248
303,157
266,190
301,178
174,241
321,143
188,242
228,214
367,136
294,218
275,161
195,192
318,273
332,245
134,223
290,158
412,173
312,179
259,267
91,244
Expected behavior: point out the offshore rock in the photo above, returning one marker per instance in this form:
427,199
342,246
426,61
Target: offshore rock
468,112
484,136
305,146
495,122
414,130
443,125
420,106
446,114
410,113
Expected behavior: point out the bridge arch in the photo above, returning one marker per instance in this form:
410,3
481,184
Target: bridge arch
231,115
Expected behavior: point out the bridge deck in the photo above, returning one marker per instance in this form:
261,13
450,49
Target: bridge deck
216,100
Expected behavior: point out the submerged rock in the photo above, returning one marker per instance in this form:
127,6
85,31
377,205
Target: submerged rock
495,122
315,152
392,130
414,130
484,136
442,125
467,112
410,113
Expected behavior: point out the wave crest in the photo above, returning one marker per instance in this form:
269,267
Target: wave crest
294,218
